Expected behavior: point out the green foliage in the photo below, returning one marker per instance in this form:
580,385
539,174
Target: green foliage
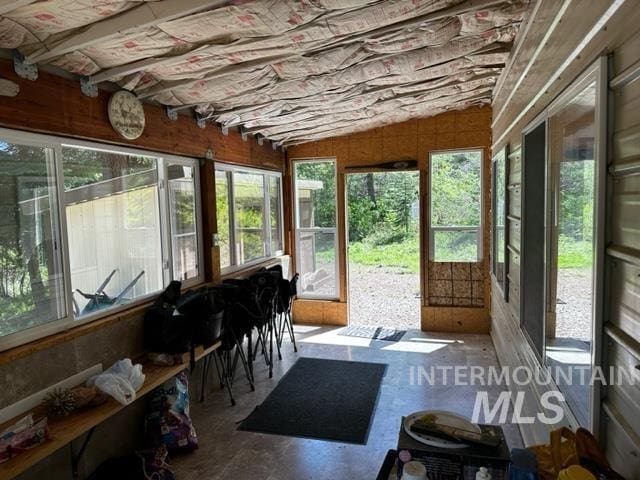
574,254
455,189
322,199
382,206
576,199
404,255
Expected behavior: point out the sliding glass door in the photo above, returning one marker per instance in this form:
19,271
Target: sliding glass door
572,199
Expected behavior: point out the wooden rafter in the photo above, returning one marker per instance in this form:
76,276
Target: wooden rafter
143,16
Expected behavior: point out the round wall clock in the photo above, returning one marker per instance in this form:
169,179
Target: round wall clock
126,114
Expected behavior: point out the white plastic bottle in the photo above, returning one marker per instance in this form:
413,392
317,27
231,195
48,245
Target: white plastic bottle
483,474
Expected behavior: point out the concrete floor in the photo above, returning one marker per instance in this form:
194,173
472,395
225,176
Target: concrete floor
227,453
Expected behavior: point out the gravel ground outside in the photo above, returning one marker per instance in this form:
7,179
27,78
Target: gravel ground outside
383,297
387,297
573,311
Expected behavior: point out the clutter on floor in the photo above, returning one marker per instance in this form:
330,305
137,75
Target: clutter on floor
445,447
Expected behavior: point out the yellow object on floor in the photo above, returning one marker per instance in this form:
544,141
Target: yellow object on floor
575,472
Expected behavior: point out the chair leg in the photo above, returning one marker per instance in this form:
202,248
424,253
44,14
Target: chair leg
225,378
250,352
289,322
243,360
271,349
203,382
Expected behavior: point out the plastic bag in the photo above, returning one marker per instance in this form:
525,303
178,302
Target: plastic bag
122,380
168,422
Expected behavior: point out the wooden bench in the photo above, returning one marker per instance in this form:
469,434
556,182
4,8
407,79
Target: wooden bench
64,431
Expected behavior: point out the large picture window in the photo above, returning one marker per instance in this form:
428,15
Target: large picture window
249,215
316,233
455,233
86,230
31,274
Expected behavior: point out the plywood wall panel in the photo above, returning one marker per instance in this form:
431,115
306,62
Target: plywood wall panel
414,140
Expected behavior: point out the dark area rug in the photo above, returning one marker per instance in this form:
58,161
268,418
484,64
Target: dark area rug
318,398
374,333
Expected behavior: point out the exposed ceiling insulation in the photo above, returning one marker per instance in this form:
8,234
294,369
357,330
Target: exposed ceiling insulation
291,71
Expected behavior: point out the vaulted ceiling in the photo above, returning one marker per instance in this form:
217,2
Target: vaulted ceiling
291,71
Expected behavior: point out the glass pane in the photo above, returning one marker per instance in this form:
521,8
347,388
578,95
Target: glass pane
456,188
499,194
275,214
182,211
249,216
317,263
31,286
113,226
455,246
222,217
316,194
569,317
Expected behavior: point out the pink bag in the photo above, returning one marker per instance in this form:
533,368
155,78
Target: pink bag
22,436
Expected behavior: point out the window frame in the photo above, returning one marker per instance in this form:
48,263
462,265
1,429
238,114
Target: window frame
501,154
229,170
479,228
333,230
56,144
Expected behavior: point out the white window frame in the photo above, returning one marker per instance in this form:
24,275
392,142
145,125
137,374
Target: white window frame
56,143
230,170
298,229
455,228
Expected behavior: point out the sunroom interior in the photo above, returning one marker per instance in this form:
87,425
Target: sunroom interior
438,184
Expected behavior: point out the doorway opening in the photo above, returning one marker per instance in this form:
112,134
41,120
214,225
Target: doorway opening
383,225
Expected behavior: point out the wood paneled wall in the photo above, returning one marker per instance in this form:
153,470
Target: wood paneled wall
55,105
517,104
411,140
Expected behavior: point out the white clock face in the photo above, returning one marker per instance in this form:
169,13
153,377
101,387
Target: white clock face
126,114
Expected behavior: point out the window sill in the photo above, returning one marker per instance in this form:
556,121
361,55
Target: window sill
89,326
246,270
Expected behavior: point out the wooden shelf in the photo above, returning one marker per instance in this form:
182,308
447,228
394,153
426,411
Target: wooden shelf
67,429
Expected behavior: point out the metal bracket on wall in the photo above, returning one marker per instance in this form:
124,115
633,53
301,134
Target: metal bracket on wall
88,89
172,113
274,145
22,69
244,134
260,140
225,131
75,458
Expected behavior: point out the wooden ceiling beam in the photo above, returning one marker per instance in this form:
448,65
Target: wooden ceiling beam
146,15
7,6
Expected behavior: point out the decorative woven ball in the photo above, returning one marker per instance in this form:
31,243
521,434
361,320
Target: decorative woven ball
59,403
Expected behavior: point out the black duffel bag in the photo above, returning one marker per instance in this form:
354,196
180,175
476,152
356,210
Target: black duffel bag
165,330
177,323
204,312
